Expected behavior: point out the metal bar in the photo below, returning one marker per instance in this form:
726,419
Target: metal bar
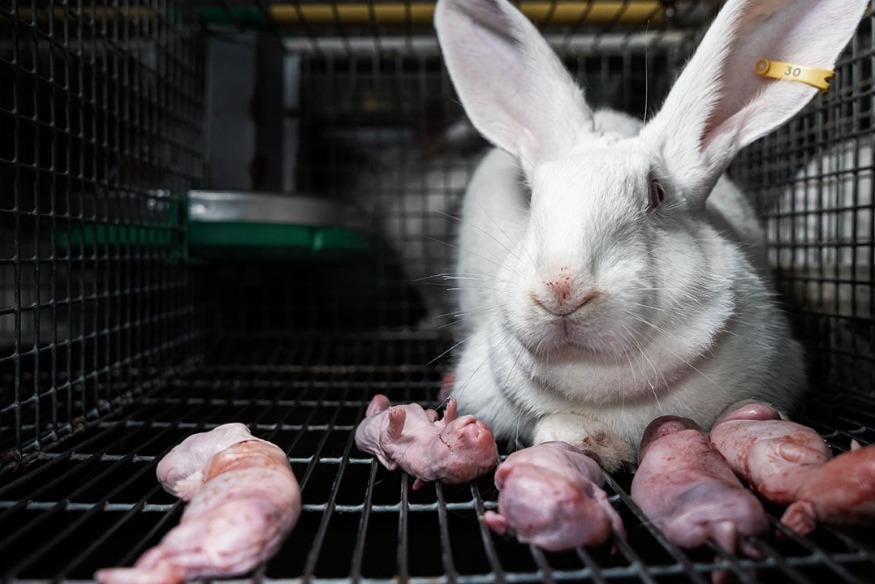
402,551
485,536
426,46
16,235
70,506
595,572
420,14
319,538
355,569
446,551
545,572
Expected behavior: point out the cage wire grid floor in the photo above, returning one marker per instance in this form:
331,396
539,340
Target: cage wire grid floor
94,502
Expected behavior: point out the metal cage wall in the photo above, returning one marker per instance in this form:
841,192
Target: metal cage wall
813,181
99,140
122,330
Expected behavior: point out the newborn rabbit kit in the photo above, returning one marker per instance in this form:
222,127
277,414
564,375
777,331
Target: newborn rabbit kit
572,217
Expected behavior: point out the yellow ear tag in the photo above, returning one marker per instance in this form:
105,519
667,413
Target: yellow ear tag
812,76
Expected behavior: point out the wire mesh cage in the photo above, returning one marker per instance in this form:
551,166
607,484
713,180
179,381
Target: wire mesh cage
100,139
122,330
813,179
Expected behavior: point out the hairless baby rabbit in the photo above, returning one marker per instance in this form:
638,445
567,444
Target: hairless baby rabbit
550,495
243,502
790,464
689,492
452,450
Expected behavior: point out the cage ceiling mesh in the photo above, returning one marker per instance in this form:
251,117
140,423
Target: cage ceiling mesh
378,19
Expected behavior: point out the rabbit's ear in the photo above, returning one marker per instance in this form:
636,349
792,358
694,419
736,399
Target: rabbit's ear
720,104
514,88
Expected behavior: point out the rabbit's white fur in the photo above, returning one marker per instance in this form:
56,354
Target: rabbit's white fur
587,312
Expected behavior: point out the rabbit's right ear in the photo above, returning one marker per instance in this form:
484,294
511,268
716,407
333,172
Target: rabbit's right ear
514,88
720,104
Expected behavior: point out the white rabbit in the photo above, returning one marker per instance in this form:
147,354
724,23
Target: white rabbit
613,279
828,209
824,220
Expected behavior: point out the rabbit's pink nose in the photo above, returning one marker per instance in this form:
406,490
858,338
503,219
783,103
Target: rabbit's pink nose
561,296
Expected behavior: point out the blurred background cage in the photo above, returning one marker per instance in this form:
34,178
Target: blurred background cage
245,211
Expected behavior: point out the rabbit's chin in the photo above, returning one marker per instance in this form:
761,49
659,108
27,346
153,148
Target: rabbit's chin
594,338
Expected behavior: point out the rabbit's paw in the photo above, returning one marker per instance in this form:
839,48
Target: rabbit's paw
614,452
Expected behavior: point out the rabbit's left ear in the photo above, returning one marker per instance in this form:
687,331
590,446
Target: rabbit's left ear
720,103
514,88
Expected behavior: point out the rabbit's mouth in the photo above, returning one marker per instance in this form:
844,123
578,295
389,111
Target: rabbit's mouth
563,303
558,327
581,337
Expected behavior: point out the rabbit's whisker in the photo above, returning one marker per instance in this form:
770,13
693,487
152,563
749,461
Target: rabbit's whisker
448,351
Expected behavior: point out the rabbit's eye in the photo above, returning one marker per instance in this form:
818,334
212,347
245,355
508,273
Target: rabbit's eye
657,194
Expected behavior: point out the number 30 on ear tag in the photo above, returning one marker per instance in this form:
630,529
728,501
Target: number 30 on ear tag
818,78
